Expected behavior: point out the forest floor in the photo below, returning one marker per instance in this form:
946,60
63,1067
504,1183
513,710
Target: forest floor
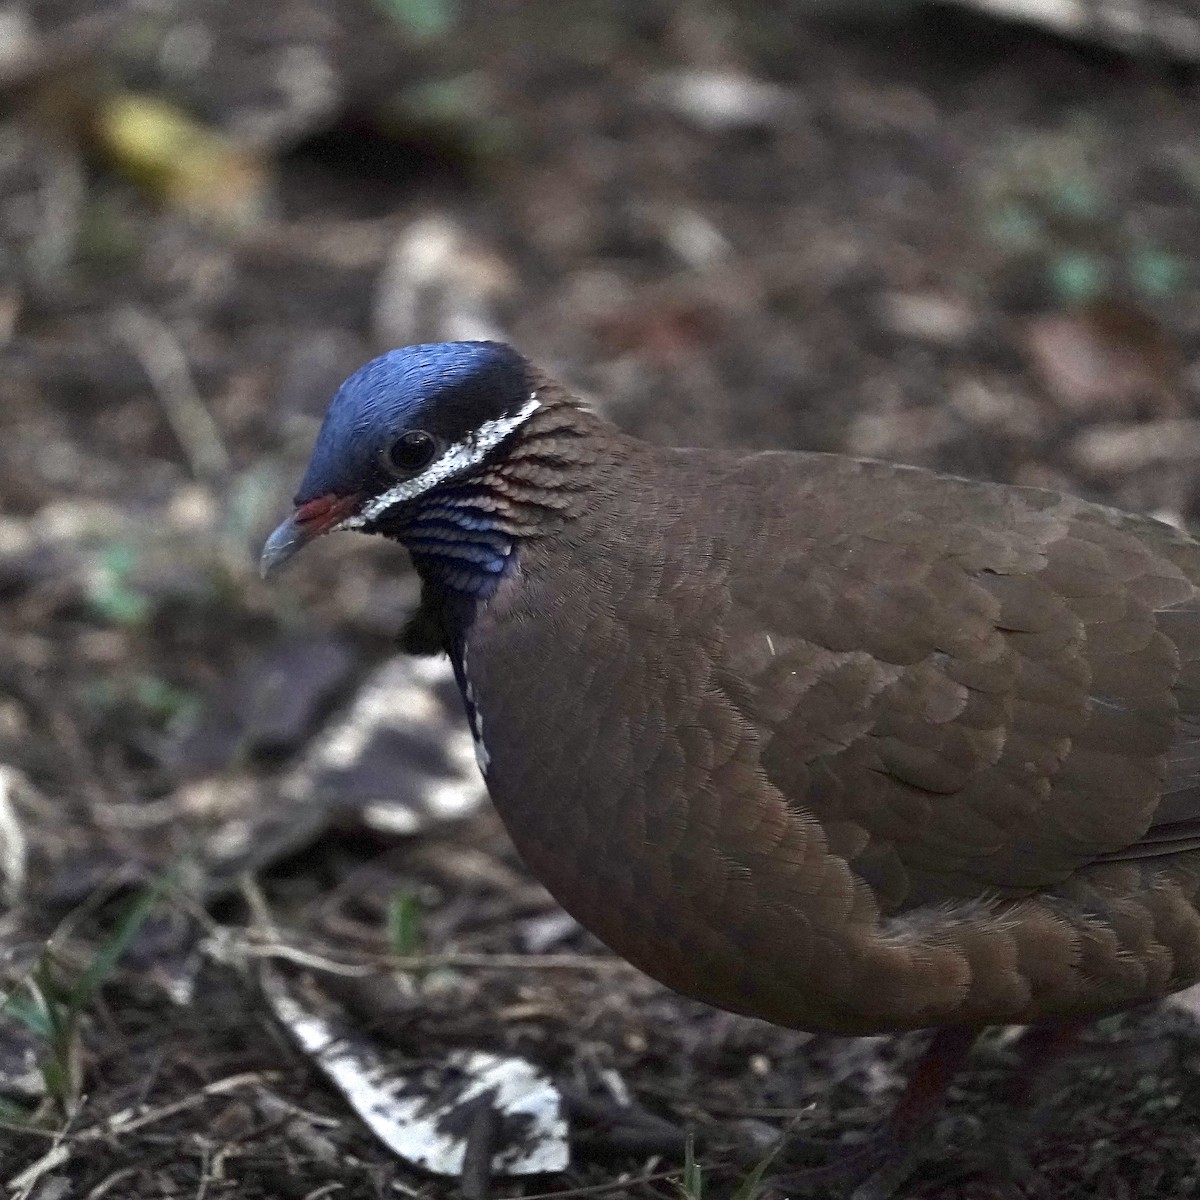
229,807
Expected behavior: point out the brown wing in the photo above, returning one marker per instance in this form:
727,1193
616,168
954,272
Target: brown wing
1175,826
973,689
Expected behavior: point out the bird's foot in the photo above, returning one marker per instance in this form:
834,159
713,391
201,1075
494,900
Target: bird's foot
877,1167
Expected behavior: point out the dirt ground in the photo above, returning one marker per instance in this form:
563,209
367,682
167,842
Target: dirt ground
926,236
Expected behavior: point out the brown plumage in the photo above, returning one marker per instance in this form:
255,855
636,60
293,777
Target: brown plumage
851,746
844,745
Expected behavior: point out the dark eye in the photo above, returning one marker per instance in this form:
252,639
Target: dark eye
410,452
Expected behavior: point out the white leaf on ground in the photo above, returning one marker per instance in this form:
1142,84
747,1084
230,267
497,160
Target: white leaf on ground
401,755
425,1114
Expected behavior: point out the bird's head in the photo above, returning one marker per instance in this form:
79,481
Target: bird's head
404,424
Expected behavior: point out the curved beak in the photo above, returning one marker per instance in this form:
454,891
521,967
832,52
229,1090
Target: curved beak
322,515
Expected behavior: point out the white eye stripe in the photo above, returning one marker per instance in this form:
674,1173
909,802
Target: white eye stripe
460,456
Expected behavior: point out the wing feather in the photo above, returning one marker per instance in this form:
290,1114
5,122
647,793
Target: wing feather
972,689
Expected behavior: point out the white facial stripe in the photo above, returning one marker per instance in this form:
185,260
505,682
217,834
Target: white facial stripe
460,456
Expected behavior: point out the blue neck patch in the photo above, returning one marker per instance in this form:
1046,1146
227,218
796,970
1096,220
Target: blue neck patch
457,544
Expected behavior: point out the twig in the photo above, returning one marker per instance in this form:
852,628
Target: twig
64,198
260,910
126,1121
326,1189
206,1172
166,366
109,1182
23,1184
599,1189
375,964
28,1130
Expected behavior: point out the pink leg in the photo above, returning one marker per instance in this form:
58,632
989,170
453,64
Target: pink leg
880,1165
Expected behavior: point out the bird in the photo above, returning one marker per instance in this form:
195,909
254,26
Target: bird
849,746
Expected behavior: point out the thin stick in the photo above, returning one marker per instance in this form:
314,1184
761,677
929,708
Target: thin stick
126,1121
374,965
166,366
599,1189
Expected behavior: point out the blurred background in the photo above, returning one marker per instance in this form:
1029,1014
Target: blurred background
961,234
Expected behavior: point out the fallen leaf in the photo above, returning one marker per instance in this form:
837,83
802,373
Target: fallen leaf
401,756
425,1115
1108,356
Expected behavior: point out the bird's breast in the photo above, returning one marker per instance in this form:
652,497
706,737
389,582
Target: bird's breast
631,788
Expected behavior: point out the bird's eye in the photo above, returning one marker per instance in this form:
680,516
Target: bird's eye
410,452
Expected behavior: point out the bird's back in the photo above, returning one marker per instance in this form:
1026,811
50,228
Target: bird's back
853,746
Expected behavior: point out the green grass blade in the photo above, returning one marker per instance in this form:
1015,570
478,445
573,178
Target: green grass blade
109,954
691,1186
404,925
748,1189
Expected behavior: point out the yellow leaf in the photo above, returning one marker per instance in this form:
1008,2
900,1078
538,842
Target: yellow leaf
186,164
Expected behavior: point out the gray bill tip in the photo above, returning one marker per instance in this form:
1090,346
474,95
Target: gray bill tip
322,514
289,538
